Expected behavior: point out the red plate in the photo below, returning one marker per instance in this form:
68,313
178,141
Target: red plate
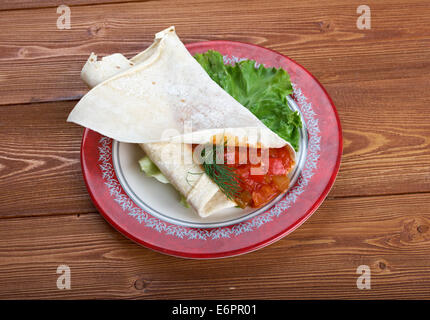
316,179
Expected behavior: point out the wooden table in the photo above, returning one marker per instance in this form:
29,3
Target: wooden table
377,214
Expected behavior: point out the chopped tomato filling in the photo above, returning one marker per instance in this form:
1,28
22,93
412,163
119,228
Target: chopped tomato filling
261,176
263,181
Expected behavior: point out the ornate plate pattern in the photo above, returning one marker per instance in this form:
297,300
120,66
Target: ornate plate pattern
317,176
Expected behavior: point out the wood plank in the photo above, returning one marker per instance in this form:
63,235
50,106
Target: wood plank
386,130
40,171
29,4
40,63
386,149
390,234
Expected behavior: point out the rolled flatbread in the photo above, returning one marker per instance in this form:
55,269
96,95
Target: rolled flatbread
164,100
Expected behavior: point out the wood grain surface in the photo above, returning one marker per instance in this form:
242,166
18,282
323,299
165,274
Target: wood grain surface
317,261
377,214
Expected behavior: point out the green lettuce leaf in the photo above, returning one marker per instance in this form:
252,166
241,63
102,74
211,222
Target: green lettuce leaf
151,170
184,201
262,90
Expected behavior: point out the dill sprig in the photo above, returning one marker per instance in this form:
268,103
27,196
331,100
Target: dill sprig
224,176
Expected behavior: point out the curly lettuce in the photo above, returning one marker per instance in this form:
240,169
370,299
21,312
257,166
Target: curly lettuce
262,90
151,169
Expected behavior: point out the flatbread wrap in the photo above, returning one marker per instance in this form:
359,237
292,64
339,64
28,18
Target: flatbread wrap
164,100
